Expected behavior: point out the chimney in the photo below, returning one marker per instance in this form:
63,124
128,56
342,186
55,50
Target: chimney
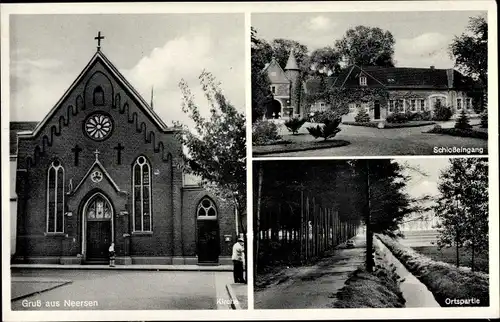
152,89
432,67
450,73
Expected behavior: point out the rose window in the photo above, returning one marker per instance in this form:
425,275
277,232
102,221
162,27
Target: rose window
98,126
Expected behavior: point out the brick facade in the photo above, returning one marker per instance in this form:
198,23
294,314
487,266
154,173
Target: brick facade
136,131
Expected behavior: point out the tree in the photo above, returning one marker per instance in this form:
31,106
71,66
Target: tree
283,47
463,206
367,46
463,121
261,54
325,60
261,51
362,116
470,52
386,202
258,211
215,149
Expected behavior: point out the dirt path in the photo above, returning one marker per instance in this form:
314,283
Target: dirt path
312,286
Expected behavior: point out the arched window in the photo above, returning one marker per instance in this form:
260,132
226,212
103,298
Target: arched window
55,198
141,197
98,96
206,209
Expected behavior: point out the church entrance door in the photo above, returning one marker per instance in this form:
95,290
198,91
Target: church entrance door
208,241
98,227
207,227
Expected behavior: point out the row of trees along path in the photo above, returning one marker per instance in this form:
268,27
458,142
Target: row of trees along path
305,208
300,213
315,229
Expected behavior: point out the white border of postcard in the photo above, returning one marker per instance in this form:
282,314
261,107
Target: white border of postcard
248,8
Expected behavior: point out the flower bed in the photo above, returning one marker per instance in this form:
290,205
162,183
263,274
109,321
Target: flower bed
450,285
460,132
391,125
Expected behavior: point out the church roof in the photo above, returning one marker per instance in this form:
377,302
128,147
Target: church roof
100,57
292,62
14,129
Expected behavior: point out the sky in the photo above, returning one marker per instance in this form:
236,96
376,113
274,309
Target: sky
423,175
422,38
47,52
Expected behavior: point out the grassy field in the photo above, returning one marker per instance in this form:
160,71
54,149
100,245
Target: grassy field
446,282
448,255
380,289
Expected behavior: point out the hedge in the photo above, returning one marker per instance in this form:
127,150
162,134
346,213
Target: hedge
460,132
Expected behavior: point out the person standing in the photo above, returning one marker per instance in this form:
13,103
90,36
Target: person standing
111,251
238,258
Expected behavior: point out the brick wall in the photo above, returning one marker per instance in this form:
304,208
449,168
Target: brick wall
62,131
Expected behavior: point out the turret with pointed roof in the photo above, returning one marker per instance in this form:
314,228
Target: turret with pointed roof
291,64
292,72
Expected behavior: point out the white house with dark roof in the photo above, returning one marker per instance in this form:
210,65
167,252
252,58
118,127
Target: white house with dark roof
410,90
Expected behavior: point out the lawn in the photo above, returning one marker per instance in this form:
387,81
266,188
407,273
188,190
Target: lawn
448,255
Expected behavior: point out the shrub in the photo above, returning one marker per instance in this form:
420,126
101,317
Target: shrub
426,115
329,129
484,119
419,116
410,116
463,122
397,118
441,112
294,124
362,116
264,132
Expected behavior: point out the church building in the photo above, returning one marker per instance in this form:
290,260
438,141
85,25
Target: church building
102,168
